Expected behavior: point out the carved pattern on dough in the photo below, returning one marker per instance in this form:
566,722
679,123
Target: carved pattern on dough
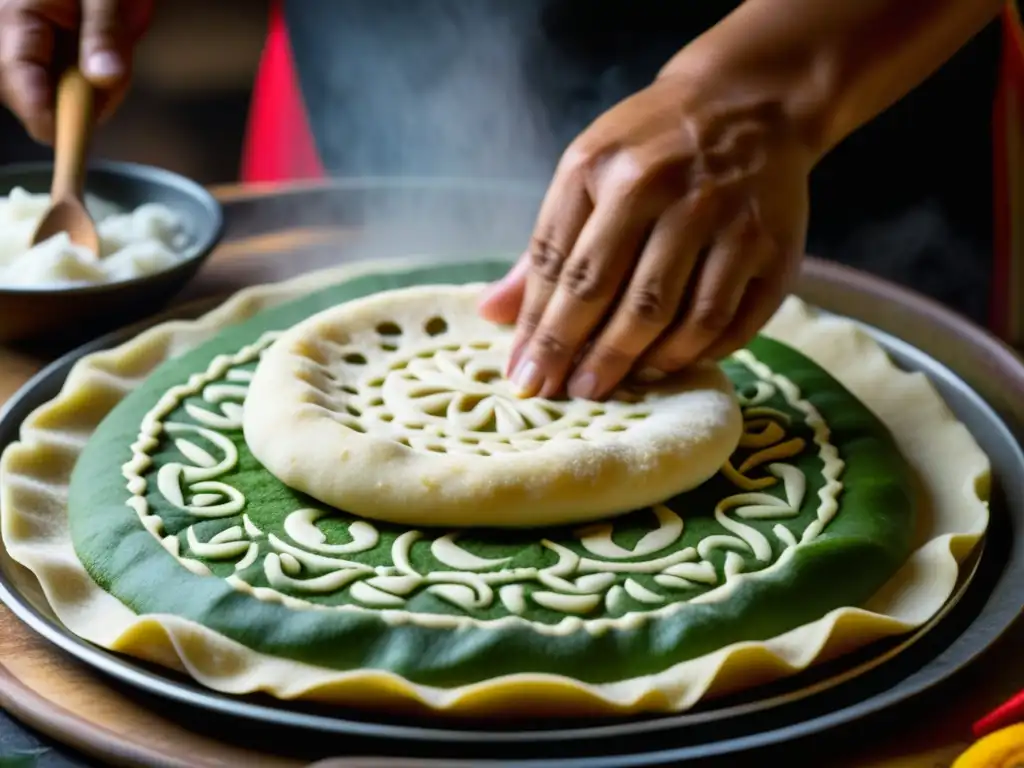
301,561
441,397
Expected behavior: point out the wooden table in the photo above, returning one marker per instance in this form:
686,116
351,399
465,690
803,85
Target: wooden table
67,701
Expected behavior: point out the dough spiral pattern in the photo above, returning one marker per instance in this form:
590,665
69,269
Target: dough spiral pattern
317,557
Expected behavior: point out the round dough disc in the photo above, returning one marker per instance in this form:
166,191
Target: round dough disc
394,407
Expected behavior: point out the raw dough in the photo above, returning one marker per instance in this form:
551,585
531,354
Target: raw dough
150,239
107,386
393,407
785,511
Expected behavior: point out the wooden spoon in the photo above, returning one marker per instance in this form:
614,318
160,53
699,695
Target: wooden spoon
67,211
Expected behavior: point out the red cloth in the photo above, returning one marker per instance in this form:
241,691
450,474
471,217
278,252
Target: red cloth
1008,143
279,145
1003,716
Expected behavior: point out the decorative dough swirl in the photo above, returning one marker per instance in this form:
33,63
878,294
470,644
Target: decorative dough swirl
588,578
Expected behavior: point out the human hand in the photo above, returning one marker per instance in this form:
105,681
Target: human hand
37,37
671,232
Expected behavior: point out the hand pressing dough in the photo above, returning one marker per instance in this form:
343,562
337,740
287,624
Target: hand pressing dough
394,407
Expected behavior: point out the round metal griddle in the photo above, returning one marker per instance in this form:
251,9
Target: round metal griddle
851,689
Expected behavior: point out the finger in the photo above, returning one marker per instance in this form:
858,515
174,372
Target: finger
651,299
590,283
762,298
105,52
502,299
104,43
26,54
565,211
720,286
138,15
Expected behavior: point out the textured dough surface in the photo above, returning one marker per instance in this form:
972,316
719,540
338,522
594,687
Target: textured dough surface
35,474
394,407
816,503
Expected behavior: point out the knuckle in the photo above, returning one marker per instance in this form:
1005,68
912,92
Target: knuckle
631,178
711,316
649,304
628,171
579,160
528,321
548,344
585,279
546,258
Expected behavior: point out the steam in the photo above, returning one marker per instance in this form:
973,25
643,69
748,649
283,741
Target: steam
449,104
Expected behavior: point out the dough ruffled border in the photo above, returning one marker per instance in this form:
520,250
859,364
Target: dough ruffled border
34,474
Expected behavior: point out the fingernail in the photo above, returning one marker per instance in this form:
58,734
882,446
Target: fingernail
650,375
514,353
104,64
527,378
583,386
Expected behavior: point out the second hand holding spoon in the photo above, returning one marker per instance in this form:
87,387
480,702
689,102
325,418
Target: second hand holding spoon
74,122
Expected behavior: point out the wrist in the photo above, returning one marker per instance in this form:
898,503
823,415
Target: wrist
800,89
830,67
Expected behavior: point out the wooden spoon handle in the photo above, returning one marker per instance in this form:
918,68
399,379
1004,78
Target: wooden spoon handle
73,134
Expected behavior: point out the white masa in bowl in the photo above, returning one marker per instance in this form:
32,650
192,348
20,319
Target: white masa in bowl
133,243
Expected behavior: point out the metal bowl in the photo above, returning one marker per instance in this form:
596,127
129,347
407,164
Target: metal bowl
38,313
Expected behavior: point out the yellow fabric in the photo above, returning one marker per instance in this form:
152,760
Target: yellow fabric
1002,749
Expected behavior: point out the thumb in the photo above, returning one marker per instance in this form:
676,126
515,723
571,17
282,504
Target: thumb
104,49
502,300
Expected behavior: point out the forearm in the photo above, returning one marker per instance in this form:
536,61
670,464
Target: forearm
832,65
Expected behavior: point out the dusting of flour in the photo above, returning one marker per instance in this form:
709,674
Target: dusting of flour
134,243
